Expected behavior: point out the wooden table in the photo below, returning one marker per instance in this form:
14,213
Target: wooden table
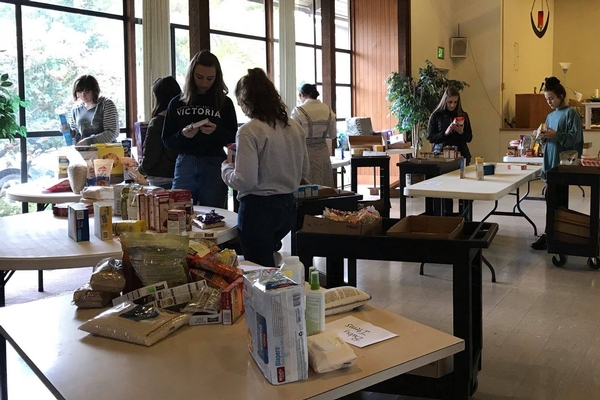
210,361
34,192
39,241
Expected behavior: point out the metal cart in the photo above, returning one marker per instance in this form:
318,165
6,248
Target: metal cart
558,181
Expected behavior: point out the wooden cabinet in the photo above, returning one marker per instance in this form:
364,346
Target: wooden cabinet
530,110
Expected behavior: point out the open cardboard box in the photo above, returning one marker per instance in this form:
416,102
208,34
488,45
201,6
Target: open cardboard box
571,223
428,227
436,369
319,224
368,142
325,191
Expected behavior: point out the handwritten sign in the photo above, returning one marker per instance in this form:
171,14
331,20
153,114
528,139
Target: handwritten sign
358,332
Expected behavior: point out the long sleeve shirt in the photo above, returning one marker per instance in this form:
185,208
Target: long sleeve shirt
179,115
269,160
99,124
569,136
436,132
157,160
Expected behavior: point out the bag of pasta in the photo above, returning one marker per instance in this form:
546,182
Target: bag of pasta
156,258
108,276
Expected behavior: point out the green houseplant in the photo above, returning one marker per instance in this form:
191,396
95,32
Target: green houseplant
412,102
9,106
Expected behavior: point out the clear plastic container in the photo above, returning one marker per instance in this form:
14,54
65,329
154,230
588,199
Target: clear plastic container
293,268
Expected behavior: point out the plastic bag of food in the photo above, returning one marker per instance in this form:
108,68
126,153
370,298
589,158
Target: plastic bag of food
60,186
215,280
156,258
108,276
135,323
86,297
207,300
227,257
226,271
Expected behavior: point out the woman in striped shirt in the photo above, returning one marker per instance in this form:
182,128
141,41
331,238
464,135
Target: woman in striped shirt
95,119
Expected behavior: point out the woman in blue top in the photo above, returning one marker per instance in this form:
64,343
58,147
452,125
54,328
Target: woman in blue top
563,132
200,149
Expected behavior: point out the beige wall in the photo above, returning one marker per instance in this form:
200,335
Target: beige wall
434,22
523,69
576,41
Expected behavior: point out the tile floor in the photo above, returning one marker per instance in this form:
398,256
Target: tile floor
541,322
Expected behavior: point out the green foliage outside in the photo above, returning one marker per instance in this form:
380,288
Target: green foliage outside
9,106
413,102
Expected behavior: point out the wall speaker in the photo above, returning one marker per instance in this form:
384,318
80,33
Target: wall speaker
458,46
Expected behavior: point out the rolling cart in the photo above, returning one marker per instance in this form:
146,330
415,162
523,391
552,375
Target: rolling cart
561,238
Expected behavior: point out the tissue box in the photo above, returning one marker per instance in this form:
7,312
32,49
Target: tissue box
274,306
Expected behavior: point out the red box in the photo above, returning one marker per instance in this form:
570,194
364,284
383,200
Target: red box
232,302
182,199
161,208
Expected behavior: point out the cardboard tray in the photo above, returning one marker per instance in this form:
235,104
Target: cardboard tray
367,141
571,223
428,227
319,224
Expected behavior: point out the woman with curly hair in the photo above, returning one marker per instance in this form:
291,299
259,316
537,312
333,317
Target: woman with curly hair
200,148
270,163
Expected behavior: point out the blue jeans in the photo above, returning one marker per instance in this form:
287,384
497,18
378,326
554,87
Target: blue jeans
262,222
202,176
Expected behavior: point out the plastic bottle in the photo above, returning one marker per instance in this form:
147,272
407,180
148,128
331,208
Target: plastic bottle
294,269
315,305
479,168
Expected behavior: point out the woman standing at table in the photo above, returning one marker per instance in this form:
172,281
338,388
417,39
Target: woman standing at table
200,148
449,125
563,132
95,119
158,163
318,120
271,161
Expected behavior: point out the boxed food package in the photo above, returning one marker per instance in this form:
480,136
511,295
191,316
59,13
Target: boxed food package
79,224
176,222
318,224
274,306
428,227
103,221
161,211
179,295
128,226
182,199
140,129
360,144
114,152
205,319
232,302
142,295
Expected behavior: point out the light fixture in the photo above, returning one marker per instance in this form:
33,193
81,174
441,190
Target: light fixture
540,27
578,95
565,67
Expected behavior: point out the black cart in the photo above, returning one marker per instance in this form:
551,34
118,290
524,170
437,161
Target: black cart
560,244
463,254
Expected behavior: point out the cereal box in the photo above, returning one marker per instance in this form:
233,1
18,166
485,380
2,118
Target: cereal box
103,221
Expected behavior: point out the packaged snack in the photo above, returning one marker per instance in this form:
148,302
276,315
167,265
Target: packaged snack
108,276
211,278
86,297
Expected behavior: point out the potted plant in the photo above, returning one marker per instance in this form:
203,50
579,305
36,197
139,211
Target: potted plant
413,102
9,107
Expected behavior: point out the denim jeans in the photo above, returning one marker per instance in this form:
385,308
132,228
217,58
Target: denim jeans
262,222
201,175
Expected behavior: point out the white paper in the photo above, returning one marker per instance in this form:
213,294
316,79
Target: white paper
432,183
358,332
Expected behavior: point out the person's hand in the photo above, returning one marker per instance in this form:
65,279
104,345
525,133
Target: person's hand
208,128
82,142
548,134
189,132
459,128
227,164
450,128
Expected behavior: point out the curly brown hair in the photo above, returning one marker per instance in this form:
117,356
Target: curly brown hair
259,99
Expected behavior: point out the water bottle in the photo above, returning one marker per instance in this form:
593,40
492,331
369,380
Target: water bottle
293,269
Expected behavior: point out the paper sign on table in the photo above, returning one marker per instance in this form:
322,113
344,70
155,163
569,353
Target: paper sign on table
358,332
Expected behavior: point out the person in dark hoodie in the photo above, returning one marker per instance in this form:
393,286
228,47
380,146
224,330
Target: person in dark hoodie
198,124
158,163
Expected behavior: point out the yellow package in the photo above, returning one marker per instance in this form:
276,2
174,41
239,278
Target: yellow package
130,225
114,152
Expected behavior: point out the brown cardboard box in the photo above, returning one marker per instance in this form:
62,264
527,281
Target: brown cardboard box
428,227
366,142
318,224
571,222
436,369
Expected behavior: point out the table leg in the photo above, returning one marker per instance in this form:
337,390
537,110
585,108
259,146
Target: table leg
40,281
5,275
3,369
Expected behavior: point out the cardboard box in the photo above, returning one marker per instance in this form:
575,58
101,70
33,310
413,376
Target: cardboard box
205,319
141,295
276,326
571,223
232,302
103,221
161,208
113,151
79,224
517,166
428,227
436,369
367,142
319,224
